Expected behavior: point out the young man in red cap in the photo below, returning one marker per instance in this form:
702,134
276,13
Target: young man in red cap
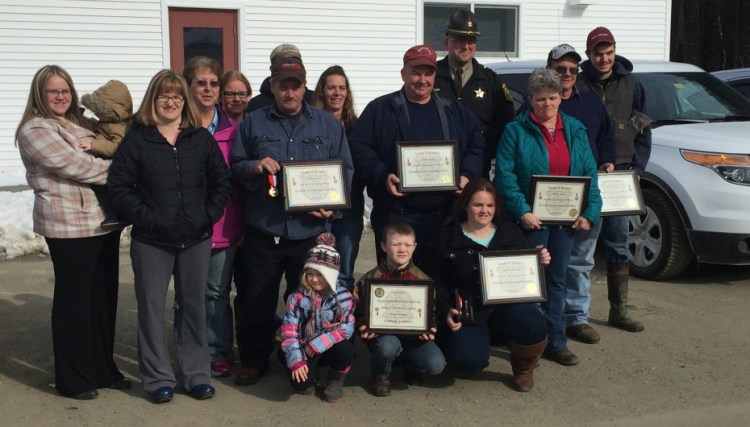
476,86
413,113
609,76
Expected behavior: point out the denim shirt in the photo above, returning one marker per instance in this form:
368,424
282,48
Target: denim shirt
267,133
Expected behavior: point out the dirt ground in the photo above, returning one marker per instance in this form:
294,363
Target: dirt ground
688,368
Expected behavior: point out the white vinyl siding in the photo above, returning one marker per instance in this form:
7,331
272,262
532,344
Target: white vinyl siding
99,40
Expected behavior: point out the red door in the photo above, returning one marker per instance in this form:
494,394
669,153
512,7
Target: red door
206,32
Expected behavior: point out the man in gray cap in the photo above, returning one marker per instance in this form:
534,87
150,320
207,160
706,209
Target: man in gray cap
477,87
587,108
264,96
276,242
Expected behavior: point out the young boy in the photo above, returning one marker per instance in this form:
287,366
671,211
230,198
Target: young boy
419,355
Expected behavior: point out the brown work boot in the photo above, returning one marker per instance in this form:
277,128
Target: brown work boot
583,333
617,293
563,357
247,376
381,385
523,360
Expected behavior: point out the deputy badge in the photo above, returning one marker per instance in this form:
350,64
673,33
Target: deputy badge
479,93
507,94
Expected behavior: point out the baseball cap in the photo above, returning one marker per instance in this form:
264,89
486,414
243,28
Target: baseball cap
285,50
599,35
561,50
288,67
421,55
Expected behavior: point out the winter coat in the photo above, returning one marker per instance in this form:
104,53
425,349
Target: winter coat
334,323
229,229
172,194
622,95
384,121
454,262
522,154
113,106
60,173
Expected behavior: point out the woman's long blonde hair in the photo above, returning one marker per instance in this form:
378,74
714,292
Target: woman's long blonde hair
166,81
36,106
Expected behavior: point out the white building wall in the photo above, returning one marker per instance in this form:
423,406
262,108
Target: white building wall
99,40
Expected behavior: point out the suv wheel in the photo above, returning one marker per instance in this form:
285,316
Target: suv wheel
657,242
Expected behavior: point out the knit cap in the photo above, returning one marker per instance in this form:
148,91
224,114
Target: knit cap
324,259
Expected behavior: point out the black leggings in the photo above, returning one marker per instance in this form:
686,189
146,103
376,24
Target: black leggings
338,357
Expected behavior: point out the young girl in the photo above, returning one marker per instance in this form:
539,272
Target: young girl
318,324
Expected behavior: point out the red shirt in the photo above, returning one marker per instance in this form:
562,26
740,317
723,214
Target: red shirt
557,147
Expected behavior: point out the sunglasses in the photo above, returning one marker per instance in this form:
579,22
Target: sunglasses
561,70
204,83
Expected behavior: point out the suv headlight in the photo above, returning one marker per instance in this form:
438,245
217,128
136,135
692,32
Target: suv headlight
734,168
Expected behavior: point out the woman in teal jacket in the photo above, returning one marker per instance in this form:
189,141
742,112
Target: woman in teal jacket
544,141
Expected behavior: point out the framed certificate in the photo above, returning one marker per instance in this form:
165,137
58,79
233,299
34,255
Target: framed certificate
621,193
399,307
558,200
427,166
313,185
511,276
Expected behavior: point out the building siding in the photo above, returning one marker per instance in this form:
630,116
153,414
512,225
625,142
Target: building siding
99,40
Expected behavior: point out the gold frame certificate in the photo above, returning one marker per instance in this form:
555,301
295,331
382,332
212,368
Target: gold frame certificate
621,193
313,185
558,200
427,166
512,276
399,307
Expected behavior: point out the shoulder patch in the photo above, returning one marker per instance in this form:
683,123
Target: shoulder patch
506,93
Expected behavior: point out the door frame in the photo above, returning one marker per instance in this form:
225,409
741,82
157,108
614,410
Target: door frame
229,5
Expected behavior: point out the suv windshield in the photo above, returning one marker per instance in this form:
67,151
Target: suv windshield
691,97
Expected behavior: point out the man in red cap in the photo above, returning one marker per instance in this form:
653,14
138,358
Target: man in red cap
609,76
413,113
476,86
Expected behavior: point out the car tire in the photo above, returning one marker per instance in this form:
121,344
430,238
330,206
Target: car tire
657,242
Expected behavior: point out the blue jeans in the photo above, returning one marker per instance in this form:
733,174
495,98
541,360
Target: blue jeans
468,349
217,301
614,230
348,232
423,357
559,242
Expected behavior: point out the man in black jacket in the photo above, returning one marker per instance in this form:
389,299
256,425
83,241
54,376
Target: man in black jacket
477,87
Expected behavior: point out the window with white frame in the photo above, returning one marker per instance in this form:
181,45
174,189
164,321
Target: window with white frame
498,26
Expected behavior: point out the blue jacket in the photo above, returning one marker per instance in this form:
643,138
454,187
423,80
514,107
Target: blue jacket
267,133
384,121
590,111
522,153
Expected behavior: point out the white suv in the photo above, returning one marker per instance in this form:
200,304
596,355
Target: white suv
697,183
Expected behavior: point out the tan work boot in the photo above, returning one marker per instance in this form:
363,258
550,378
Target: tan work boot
617,293
583,333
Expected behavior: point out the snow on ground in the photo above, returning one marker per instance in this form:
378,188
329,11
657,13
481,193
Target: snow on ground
16,235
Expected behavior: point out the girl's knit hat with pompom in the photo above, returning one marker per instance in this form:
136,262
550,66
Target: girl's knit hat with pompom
324,259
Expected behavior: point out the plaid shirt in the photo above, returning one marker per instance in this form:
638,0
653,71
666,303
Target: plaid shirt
59,172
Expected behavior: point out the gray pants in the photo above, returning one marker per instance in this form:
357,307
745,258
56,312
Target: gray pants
153,266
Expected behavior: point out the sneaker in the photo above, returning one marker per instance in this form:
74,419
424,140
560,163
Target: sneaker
583,333
220,368
563,357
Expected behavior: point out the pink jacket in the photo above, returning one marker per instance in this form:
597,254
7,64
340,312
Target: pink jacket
229,229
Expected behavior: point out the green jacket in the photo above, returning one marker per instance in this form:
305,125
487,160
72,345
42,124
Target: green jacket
522,154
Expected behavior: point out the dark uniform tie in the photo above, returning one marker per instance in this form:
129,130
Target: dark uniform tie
458,81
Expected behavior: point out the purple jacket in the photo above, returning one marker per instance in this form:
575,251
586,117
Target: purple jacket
230,227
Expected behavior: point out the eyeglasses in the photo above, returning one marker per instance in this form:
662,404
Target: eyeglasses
233,94
204,83
561,70
177,99
57,92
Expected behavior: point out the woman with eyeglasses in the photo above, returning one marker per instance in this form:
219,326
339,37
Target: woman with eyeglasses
169,179
202,74
85,258
235,94
543,141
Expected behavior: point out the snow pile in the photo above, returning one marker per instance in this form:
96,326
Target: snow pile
16,235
